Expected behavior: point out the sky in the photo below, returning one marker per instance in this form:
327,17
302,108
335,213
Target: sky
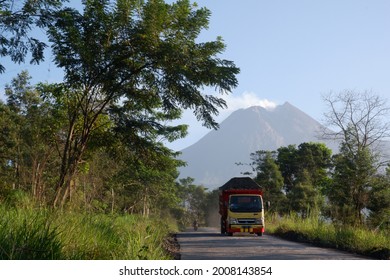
287,51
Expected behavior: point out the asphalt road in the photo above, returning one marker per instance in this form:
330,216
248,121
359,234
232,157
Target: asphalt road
209,244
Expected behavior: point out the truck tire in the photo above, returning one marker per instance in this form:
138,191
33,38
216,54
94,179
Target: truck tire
223,228
259,234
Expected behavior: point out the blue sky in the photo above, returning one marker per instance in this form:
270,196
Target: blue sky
292,51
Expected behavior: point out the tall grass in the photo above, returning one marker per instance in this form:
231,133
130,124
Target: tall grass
42,234
28,235
113,237
316,231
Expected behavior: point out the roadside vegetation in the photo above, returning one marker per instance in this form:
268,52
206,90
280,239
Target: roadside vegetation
43,234
84,171
364,241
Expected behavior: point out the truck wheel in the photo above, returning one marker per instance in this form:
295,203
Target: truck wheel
259,234
223,229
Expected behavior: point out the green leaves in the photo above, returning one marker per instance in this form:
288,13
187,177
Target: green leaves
138,51
293,178
131,67
16,23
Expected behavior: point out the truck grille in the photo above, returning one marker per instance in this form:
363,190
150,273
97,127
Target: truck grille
246,221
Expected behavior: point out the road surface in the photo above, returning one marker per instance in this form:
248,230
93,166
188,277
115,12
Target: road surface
209,244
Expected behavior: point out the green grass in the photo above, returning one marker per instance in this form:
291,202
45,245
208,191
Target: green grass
312,230
41,234
28,235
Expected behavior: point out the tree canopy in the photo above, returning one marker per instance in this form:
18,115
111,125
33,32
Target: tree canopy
131,67
361,122
17,20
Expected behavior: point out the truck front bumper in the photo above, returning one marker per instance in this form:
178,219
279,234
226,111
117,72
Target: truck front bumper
246,228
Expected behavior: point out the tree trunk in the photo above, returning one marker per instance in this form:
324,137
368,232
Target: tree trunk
113,200
65,163
145,210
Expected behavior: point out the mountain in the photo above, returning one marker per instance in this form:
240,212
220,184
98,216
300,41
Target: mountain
212,160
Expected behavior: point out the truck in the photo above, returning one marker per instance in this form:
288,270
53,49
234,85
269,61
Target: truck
241,206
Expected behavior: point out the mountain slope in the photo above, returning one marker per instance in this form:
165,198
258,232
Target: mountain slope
211,161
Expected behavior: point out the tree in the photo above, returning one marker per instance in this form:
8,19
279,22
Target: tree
80,122
308,162
212,209
353,176
361,120
286,159
195,200
314,159
270,179
8,146
379,203
135,56
17,19
32,137
304,198
294,178
362,123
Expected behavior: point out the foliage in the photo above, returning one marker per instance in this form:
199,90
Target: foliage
27,235
139,63
194,202
16,22
293,178
270,178
131,67
144,52
29,142
379,203
8,143
43,234
321,233
362,122
114,237
304,198
353,176
123,169
310,159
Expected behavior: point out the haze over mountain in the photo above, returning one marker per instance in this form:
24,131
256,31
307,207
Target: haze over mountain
212,160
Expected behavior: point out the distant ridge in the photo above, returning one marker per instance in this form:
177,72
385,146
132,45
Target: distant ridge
211,160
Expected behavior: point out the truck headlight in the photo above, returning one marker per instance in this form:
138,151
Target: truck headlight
233,221
259,221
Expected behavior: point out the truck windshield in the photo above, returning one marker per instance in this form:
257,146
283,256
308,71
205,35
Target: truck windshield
245,204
